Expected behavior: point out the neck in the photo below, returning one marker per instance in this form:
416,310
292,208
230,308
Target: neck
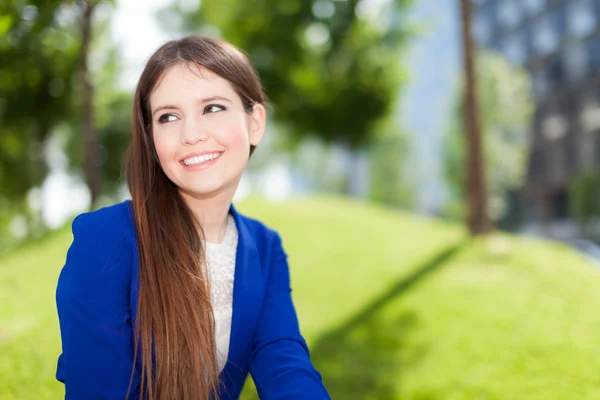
212,212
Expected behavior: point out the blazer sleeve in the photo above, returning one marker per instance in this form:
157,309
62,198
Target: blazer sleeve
92,299
280,365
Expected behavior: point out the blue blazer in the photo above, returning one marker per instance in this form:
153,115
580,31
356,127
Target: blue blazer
96,298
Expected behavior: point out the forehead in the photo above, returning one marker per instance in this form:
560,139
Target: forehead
188,81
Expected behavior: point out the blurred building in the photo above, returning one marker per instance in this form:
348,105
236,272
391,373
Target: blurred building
558,43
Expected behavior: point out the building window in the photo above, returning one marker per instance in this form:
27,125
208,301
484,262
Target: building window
556,72
545,36
484,25
581,18
509,14
536,163
541,83
575,61
514,49
481,28
597,7
532,7
524,35
559,19
593,53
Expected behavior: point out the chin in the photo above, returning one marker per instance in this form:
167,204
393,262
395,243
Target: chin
207,189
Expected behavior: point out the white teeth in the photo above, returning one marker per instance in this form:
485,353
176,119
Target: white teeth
200,159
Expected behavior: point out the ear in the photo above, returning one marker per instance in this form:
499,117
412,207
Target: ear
257,122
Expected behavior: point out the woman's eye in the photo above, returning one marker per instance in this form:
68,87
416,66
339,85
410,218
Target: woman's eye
213,108
167,118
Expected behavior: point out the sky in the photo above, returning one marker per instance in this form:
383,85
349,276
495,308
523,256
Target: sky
434,67
136,28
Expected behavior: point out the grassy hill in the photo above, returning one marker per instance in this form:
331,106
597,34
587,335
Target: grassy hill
394,306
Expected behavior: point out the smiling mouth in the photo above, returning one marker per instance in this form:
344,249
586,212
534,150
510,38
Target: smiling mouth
197,160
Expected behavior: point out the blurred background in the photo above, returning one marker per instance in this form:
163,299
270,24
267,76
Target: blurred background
439,198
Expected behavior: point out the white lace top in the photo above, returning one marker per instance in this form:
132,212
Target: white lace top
220,259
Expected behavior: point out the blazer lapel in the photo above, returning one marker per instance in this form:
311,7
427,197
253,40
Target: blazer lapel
248,293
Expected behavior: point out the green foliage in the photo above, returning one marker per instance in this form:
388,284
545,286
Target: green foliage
328,71
40,96
506,106
37,59
38,56
584,200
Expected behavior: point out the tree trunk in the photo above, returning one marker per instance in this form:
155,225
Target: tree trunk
478,220
91,165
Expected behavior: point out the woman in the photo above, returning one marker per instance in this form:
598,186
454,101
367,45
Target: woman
174,294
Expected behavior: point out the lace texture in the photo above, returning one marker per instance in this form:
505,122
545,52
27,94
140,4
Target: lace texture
220,259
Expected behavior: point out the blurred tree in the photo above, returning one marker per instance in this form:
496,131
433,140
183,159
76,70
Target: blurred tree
38,52
102,109
330,68
112,120
44,51
506,106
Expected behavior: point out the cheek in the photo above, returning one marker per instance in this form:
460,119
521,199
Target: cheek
165,149
234,136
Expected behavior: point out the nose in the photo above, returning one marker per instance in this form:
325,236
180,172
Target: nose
193,132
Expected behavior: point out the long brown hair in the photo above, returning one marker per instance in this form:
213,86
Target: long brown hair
174,328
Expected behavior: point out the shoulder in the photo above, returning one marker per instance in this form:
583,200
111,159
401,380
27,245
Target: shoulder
98,270
113,221
103,246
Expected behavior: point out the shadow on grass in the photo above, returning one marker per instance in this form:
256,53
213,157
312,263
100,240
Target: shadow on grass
367,362
365,357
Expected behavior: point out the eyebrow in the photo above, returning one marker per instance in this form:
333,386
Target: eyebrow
205,100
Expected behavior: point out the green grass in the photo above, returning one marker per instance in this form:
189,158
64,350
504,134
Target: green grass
501,318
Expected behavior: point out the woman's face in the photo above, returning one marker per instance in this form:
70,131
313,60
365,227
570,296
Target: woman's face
202,134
